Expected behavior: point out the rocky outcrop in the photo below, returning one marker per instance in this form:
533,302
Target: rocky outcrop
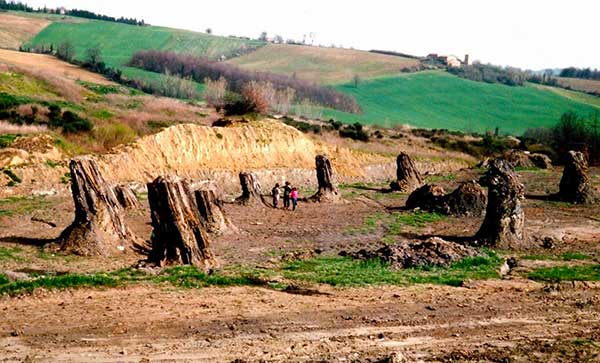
526,160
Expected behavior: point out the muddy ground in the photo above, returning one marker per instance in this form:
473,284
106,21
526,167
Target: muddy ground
497,320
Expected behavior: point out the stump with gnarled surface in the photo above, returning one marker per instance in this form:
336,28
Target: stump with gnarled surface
178,237
408,177
126,197
99,227
251,190
504,220
211,211
328,190
575,184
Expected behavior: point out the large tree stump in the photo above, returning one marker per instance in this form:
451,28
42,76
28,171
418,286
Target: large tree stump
99,227
466,200
408,177
251,190
504,219
211,212
126,197
575,184
178,237
328,190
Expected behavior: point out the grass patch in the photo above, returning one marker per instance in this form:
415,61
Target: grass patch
567,256
12,206
58,282
103,114
344,271
53,164
10,253
440,178
7,139
100,89
181,276
3,279
566,273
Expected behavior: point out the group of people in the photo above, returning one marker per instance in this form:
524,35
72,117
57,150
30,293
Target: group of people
290,196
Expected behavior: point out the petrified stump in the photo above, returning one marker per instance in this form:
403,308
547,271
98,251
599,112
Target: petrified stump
251,189
178,236
126,197
211,212
466,200
428,197
99,227
504,219
541,161
328,190
575,183
408,177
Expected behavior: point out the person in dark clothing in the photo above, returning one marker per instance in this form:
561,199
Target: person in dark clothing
287,189
276,193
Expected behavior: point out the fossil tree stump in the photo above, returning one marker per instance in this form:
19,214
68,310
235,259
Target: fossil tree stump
575,184
408,177
99,227
126,197
211,212
251,189
178,237
328,190
504,219
466,200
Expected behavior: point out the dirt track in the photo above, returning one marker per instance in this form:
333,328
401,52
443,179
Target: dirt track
488,320
492,320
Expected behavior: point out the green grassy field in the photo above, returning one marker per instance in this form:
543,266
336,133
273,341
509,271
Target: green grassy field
118,41
441,100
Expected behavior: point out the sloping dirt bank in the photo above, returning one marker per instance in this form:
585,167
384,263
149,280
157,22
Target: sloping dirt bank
275,151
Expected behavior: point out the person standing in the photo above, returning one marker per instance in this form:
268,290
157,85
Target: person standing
287,189
294,197
275,192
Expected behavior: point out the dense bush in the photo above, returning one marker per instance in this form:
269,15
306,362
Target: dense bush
491,74
71,123
302,126
354,132
584,73
572,132
199,69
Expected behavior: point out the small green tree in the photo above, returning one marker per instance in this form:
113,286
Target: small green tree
93,56
66,51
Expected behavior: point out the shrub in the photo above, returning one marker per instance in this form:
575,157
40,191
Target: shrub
354,132
215,92
112,135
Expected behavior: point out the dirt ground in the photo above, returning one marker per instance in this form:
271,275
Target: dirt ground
500,320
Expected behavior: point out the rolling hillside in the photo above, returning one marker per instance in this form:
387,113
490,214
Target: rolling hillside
322,65
441,100
15,30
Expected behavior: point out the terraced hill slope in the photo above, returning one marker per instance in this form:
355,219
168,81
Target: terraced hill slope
441,100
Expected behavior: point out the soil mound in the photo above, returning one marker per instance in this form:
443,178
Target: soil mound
432,252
